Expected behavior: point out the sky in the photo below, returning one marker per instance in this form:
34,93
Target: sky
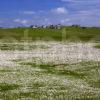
15,13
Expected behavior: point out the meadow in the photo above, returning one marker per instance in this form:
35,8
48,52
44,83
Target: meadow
70,33
50,64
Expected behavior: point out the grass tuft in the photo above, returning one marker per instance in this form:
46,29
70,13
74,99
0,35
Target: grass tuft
6,87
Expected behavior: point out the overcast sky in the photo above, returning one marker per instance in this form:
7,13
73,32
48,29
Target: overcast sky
26,12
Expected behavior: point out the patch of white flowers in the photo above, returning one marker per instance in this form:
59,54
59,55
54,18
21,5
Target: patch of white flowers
57,53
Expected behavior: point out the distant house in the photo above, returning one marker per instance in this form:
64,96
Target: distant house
45,26
34,26
55,26
59,26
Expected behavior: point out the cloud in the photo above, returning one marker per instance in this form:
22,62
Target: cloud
64,21
24,22
16,20
60,10
94,12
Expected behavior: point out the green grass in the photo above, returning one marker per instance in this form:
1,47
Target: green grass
97,46
72,34
6,87
4,71
20,47
82,70
57,84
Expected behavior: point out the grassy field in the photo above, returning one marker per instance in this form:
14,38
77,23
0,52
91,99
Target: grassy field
70,33
50,69
78,81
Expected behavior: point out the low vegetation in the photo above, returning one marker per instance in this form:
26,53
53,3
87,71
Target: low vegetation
71,33
78,81
20,46
52,70
6,87
97,46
